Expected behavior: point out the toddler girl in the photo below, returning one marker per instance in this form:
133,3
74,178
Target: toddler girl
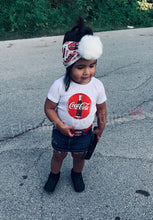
72,103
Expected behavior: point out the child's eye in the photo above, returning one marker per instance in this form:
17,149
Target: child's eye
79,67
92,66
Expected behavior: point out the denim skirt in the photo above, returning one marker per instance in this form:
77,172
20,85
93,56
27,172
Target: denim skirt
75,144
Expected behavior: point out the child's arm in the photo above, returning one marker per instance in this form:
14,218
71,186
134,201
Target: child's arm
101,119
51,113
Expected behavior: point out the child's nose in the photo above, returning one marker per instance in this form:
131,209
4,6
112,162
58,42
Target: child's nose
86,71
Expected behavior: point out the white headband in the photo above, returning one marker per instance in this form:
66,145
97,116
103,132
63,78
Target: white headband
89,48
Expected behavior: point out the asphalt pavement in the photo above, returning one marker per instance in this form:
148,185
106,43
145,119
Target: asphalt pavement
119,176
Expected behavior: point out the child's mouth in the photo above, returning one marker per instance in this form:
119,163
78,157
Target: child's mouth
84,78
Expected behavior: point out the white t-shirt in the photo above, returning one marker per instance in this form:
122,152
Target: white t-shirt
77,106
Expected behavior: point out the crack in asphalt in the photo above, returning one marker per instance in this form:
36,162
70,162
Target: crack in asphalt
145,101
119,68
143,159
142,84
24,132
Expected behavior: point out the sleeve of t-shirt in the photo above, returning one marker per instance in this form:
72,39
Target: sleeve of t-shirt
54,91
101,94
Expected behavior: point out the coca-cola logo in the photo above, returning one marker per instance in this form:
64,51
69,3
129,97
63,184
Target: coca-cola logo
82,106
79,106
72,46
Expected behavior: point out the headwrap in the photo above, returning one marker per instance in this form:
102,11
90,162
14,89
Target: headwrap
89,48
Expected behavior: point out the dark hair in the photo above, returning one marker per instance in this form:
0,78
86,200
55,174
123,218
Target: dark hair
75,34
67,78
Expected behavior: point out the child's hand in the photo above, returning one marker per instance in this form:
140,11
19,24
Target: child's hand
98,132
66,130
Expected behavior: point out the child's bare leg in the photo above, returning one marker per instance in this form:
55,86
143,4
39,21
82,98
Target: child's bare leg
57,160
76,175
78,162
54,175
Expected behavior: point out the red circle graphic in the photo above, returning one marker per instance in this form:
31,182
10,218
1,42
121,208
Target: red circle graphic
79,106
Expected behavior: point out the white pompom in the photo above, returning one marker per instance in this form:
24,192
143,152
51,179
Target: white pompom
90,47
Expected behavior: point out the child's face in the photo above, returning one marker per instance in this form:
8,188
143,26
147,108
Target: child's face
83,70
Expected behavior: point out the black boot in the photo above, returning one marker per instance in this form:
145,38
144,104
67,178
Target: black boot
77,181
51,182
